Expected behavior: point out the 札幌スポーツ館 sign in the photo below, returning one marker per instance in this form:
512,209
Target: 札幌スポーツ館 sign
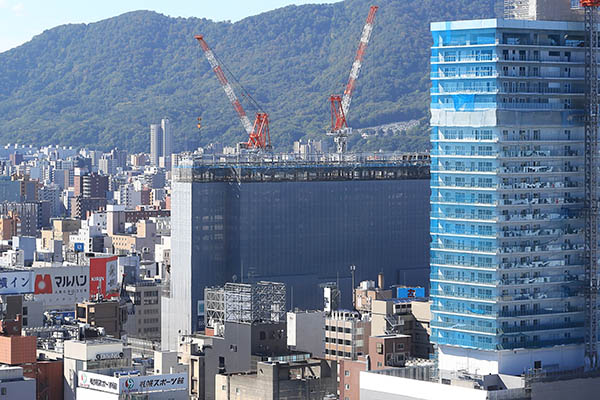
133,384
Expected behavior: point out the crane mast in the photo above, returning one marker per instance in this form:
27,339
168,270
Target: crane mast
259,136
341,104
591,182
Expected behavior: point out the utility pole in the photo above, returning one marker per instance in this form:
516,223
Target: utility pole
352,269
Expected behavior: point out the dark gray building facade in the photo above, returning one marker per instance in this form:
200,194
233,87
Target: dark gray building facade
301,224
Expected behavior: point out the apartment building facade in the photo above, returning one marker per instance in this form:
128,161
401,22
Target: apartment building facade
507,190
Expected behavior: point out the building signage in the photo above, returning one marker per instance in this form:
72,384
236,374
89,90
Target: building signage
104,276
100,382
133,384
109,356
62,285
17,282
410,292
153,383
79,247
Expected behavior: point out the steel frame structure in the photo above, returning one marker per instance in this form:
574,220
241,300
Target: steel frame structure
591,183
245,303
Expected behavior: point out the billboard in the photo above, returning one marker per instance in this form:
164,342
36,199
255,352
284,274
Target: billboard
410,292
132,384
104,276
61,285
100,382
17,282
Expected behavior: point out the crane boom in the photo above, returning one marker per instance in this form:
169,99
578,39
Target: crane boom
341,104
360,53
214,63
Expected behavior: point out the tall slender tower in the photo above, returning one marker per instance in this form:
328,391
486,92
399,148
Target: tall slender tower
156,143
166,141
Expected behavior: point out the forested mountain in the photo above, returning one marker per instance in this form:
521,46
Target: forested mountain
102,84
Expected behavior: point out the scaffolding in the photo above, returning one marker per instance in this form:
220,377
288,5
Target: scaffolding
244,303
591,184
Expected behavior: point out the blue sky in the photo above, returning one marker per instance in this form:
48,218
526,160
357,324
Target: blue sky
20,20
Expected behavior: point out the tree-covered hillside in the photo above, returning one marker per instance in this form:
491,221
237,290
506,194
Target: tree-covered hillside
102,84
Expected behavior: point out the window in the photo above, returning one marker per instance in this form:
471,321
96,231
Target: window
346,373
262,335
379,348
399,346
347,387
3,391
24,310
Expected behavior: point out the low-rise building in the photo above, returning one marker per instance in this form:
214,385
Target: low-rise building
13,385
305,332
346,335
303,380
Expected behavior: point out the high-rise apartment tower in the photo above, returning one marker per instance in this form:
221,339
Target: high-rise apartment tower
507,183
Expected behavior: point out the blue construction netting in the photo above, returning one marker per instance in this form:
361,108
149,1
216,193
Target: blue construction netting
464,102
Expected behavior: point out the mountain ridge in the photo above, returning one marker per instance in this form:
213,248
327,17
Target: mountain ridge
101,84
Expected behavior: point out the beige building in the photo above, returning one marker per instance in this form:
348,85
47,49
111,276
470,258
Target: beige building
62,229
142,242
107,314
346,335
408,317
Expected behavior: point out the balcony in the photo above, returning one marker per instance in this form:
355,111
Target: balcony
464,279
463,295
463,327
540,169
538,201
539,343
536,217
533,106
464,216
561,279
540,185
540,248
464,343
536,296
542,311
540,327
440,168
463,58
537,264
478,234
459,263
459,75
475,312
475,249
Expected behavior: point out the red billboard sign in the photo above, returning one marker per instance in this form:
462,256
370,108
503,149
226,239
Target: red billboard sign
104,275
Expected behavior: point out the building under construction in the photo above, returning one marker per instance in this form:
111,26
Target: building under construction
244,303
266,217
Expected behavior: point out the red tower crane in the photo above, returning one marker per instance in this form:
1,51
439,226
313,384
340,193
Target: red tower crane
341,104
259,136
591,182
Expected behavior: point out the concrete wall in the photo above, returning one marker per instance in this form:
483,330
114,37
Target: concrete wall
572,389
384,387
511,362
306,332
